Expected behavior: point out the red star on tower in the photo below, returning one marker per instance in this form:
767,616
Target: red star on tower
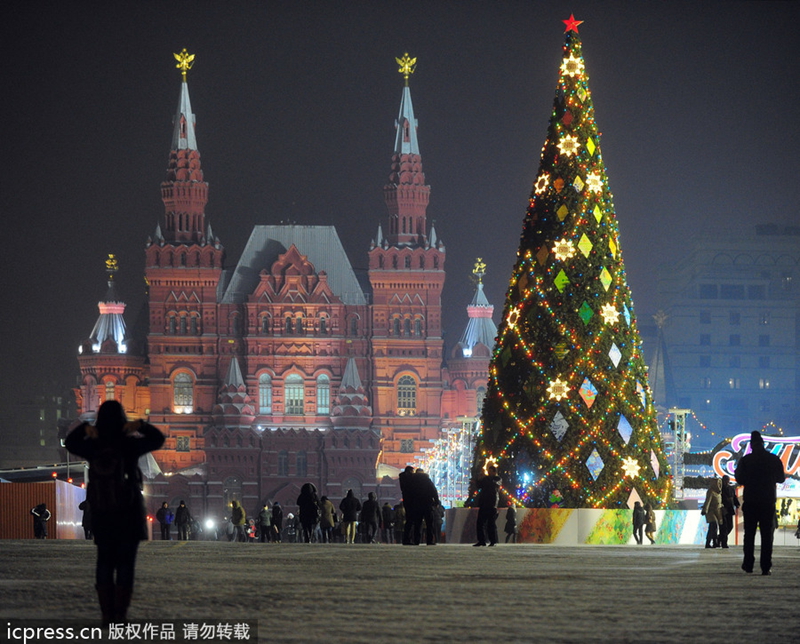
572,24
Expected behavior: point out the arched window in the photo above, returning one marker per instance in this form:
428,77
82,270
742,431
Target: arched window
173,325
323,395
236,325
264,394
183,322
109,390
406,327
289,327
421,261
302,464
194,327
323,326
283,463
293,395
396,326
406,396
380,261
354,325
407,262
265,324
183,394
298,325
418,327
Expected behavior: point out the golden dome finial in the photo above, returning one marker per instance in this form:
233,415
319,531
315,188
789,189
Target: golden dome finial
185,62
112,266
407,66
480,269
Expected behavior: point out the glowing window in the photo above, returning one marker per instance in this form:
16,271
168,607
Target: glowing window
293,395
406,396
183,394
323,395
264,394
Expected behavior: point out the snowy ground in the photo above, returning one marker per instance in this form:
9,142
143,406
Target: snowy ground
446,593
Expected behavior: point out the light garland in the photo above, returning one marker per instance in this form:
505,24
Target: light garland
569,319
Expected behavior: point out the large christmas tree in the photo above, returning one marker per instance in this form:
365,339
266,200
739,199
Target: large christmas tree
569,418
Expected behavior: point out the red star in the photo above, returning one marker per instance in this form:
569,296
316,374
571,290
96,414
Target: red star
572,24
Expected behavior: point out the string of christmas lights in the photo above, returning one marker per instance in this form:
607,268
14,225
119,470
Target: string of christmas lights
568,417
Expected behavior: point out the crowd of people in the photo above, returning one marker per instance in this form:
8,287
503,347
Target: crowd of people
320,520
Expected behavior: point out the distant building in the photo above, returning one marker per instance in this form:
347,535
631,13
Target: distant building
731,331
290,366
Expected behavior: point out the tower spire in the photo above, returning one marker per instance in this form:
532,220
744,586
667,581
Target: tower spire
406,194
184,193
109,333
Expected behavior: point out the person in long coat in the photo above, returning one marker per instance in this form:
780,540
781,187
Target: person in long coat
117,530
730,503
238,521
712,511
488,498
183,519
277,521
371,517
308,505
639,519
350,507
649,523
759,472
327,519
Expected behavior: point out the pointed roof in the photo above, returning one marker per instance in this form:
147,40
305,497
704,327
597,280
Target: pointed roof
320,244
406,139
351,378
234,377
183,137
110,325
481,328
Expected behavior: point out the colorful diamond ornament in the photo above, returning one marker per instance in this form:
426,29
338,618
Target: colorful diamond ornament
559,426
588,392
595,464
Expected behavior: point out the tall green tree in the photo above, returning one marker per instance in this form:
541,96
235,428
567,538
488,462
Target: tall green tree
569,418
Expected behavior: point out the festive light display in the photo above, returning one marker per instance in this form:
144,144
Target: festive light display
568,407
448,462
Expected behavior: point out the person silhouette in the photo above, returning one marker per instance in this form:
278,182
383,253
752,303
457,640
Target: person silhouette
119,521
759,472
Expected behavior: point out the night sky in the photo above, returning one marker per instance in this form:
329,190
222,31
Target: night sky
295,104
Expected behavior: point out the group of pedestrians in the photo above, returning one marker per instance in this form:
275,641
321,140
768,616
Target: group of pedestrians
188,526
422,506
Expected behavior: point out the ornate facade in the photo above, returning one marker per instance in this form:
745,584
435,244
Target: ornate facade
290,366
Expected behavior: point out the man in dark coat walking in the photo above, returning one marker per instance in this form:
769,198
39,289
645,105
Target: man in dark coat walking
413,522
759,472
427,499
488,498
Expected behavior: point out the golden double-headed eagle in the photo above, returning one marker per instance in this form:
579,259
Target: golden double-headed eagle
185,62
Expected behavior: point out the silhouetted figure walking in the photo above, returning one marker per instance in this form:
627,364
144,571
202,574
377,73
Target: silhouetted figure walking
184,521
488,497
730,503
639,519
712,511
165,517
759,472
308,504
350,507
511,524
119,521
413,516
